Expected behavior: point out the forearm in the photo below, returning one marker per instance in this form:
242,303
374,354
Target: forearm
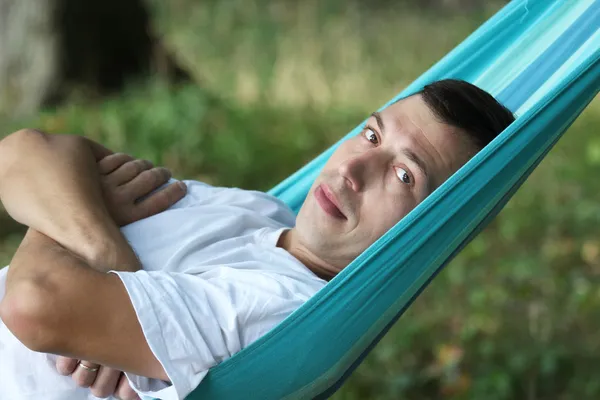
51,184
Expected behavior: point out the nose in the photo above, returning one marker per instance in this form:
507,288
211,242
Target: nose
356,169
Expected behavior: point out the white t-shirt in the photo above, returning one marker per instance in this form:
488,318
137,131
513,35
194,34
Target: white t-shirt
213,281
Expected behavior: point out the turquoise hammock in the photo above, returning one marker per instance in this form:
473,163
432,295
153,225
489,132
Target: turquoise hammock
541,59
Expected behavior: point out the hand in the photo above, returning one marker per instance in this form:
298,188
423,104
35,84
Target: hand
126,181
102,383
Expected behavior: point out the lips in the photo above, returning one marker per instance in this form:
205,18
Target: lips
328,202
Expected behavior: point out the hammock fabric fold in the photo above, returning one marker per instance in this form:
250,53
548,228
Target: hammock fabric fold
541,58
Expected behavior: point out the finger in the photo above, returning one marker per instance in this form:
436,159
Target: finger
124,391
65,365
106,382
128,171
146,182
110,163
85,377
160,201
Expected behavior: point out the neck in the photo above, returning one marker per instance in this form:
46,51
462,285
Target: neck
289,242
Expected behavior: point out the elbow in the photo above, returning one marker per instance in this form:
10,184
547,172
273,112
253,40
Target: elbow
14,146
25,313
17,140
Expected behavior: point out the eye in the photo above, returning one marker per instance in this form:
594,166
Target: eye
370,135
403,175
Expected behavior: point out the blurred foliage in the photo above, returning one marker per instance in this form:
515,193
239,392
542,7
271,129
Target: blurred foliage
331,53
514,316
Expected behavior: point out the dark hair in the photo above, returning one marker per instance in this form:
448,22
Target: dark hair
463,105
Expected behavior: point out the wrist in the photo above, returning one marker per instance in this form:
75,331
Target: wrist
109,251
110,257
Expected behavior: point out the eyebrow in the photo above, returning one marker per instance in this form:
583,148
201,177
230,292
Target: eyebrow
412,156
379,120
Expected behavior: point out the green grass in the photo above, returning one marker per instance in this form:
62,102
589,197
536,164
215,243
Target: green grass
515,315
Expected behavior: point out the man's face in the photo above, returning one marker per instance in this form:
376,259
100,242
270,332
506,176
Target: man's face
376,178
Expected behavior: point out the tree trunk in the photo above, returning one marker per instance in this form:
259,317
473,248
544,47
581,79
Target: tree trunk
28,54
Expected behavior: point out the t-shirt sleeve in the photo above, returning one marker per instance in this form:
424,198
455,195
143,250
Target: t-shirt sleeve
191,324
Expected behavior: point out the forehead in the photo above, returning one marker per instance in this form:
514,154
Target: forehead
410,122
410,112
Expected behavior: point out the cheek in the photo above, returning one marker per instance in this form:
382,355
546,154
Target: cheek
381,215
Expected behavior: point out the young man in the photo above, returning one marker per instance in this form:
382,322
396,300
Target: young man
217,269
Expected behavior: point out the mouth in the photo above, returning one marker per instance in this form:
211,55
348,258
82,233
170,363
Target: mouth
328,202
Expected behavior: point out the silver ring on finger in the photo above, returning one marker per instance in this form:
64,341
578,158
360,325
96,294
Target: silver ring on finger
90,369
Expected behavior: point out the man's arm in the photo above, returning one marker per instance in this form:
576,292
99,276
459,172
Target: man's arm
51,184
64,307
